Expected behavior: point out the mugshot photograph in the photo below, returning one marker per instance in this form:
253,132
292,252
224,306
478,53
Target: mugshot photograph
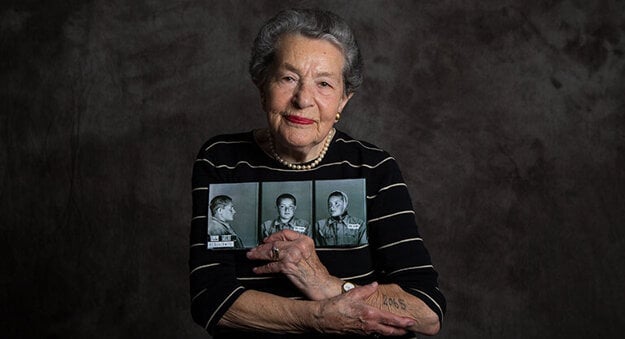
286,204
231,216
340,228
340,216
219,229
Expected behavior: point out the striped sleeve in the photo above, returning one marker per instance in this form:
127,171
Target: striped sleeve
400,255
212,275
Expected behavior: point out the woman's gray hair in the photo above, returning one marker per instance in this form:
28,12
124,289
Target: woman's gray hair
312,23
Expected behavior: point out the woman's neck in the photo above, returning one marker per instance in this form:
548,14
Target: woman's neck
298,155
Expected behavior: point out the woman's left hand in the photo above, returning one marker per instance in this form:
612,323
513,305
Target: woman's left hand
293,254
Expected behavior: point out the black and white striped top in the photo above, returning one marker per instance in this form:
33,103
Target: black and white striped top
395,252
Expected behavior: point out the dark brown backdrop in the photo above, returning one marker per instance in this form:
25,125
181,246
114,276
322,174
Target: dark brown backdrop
507,117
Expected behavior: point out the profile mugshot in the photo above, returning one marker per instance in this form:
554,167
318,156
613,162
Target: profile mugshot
219,229
286,204
340,228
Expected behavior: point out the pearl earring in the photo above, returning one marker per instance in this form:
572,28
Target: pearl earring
338,116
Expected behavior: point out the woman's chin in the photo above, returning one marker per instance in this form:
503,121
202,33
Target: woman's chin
298,140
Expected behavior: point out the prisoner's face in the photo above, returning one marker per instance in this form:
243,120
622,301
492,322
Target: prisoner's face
227,212
336,206
286,209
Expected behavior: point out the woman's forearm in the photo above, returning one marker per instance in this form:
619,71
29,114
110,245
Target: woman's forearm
346,313
260,311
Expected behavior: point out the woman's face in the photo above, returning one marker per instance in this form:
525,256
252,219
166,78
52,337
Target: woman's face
304,91
336,206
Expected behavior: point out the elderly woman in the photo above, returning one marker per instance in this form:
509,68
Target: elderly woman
307,66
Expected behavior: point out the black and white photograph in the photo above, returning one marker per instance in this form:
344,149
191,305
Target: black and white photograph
231,216
286,205
340,213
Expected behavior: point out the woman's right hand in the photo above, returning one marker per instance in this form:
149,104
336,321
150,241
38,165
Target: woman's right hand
298,261
349,313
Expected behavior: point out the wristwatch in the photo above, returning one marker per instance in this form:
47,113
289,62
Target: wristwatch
347,286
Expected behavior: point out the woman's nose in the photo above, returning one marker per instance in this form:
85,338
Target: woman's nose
303,97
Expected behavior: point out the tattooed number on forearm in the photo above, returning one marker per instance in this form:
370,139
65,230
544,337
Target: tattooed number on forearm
393,302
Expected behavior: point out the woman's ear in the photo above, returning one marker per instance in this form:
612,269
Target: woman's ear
344,101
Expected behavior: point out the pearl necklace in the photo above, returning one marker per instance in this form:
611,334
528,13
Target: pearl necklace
301,167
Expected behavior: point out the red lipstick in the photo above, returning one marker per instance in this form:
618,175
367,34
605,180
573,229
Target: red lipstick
298,120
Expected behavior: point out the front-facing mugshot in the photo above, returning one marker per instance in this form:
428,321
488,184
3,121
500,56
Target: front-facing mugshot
286,219
286,205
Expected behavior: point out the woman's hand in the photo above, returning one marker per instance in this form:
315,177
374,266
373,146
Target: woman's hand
349,313
296,258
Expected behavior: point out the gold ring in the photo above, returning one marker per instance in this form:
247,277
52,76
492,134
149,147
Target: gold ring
275,253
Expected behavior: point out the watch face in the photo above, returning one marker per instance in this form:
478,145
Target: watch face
347,286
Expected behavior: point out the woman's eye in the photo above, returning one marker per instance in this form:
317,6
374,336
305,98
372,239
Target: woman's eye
324,84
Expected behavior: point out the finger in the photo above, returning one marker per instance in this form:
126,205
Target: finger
375,321
255,253
387,319
386,330
385,322
262,252
272,267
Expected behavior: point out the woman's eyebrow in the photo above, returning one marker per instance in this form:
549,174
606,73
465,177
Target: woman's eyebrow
292,68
